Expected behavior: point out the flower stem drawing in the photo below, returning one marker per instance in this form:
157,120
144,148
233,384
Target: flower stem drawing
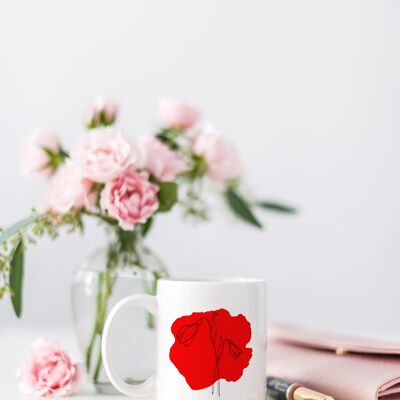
210,334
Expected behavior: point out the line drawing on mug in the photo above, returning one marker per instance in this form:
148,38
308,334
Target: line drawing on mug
211,346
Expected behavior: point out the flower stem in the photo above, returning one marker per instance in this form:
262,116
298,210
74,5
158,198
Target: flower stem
104,280
101,318
89,348
100,216
152,289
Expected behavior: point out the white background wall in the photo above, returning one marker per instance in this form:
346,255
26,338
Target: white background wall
308,90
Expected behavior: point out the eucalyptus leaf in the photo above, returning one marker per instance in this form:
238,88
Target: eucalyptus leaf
167,195
241,208
16,277
274,206
14,229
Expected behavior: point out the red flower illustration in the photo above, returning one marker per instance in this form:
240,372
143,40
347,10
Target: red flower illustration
211,346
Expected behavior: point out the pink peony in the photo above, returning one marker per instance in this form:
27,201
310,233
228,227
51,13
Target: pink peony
103,154
223,163
34,159
161,161
68,189
130,199
103,112
177,114
49,371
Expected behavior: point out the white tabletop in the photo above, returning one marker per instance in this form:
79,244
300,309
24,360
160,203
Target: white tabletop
14,344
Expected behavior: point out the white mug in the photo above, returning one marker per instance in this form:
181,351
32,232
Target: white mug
211,340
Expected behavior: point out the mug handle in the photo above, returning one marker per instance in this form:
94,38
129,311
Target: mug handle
147,388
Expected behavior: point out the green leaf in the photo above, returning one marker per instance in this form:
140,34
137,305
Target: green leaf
55,159
167,195
168,140
63,154
241,208
274,206
12,230
49,152
16,277
146,226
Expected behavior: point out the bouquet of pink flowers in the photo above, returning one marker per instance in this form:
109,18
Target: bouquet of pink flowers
124,184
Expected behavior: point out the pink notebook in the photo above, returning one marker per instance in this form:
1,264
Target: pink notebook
343,367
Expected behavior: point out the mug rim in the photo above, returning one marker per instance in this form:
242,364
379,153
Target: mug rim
212,281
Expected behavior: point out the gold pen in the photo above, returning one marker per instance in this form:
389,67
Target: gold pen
281,390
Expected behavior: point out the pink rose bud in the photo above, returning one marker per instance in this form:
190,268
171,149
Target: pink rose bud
234,350
36,153
223,163
187,334
69,190
177,114
161,161
130,199
104,154
103,112
49,371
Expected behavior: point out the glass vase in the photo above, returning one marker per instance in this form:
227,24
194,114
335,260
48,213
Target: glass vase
96,288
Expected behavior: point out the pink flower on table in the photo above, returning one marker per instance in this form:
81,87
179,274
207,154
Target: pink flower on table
223,163
34,158
130,199
69,189
177,114
49,371
161,161
103,112
103,154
